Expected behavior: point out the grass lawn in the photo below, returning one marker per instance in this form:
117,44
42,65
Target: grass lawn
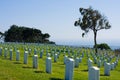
16,70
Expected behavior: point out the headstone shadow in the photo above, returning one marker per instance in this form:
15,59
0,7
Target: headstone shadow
103,75
38,71
55,79
86,70
17,62
29,67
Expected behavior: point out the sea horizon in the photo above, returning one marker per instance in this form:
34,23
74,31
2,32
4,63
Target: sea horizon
113,47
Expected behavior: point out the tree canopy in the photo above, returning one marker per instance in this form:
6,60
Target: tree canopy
25,34
92,20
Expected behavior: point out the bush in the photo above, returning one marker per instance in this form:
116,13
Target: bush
117,52
103,46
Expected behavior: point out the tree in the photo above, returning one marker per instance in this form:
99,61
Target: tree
92,20
13,34
1,35
25,34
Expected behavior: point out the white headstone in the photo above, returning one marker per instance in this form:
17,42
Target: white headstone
89,63
104,62
41,54
1,51
5,53
29,51
15,48
48,54
25,57
35,61
65,59
94,73
99,63
112,66
58,54
17,55
82,54
55,58
69,69
115,64
35,51
48,65
107,69
11,54
68,52
108,60
77,62
95,60
80,59
52,53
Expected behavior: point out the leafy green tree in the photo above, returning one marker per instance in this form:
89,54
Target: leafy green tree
25,34
92,20
1,35
11,35
45,37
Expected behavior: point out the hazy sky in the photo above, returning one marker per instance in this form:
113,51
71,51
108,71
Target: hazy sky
57,17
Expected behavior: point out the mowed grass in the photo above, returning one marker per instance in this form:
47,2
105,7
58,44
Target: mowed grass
16,70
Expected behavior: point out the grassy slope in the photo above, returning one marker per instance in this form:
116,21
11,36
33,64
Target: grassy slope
12,70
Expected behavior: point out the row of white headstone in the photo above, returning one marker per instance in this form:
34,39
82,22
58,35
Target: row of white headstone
69,62
107,66
93,72
35,59
10,54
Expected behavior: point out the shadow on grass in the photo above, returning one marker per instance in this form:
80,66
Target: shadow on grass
38,71
6,58
103,75
17,62
55,79
85,70
118,70
61,64
30,56
85,64
25,66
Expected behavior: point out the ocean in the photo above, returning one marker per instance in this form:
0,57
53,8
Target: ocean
91,46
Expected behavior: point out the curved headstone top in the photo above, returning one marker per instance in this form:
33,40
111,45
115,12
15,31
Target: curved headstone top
26,51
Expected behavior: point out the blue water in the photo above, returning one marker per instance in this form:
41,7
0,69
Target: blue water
91,46
114,47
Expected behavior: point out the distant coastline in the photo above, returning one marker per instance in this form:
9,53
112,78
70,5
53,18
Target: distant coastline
91,46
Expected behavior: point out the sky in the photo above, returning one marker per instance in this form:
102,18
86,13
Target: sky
57,18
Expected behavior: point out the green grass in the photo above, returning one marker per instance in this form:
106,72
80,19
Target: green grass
16,70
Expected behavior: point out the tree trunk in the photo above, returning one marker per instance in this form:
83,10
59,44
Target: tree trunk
95,42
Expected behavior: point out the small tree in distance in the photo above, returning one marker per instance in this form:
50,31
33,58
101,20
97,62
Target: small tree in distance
92,20
1,35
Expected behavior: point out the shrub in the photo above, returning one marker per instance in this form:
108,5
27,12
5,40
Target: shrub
103,46
117,51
